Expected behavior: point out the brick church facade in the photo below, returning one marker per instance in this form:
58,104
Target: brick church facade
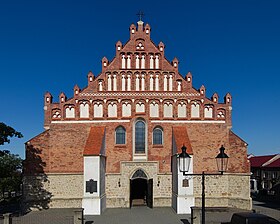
115,142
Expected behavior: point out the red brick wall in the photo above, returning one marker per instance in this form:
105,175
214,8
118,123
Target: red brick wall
37,154
238,154
61,147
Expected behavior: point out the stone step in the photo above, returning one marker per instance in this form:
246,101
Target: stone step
138,202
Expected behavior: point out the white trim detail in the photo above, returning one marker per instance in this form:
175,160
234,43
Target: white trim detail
182,121
126,94
126,121
83,122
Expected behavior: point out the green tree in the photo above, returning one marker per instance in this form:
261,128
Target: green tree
10,164
10,172
7,132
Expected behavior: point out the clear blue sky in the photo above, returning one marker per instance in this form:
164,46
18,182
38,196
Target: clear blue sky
229,46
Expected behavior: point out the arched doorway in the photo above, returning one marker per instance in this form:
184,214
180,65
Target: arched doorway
141,189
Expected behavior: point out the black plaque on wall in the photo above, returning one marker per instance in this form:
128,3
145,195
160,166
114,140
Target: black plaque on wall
91,186
185,183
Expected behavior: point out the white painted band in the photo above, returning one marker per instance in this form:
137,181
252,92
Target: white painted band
126,121
92,121
184,121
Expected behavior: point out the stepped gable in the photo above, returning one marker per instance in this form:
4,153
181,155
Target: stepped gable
139,71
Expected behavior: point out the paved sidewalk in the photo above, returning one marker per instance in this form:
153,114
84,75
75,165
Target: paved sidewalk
267,208
139,215
49,216
136,215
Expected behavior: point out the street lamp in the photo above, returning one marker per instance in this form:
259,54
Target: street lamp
184,161
222,160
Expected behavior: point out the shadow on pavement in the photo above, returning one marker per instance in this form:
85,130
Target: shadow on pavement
268,204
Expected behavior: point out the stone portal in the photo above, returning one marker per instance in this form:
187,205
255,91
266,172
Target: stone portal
141,189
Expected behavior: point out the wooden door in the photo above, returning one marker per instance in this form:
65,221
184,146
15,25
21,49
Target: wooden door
150,193
130,198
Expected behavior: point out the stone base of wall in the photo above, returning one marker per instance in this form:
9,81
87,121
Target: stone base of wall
117,203
162,202
239,203
66,203
53,191
228,190
66,190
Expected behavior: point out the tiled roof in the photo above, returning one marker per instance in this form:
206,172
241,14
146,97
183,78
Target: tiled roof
94,142
258,161
181,138
274,164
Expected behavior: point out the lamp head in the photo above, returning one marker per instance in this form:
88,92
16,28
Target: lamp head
222,160
184,160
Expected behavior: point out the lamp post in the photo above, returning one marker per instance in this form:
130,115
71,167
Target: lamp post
184,161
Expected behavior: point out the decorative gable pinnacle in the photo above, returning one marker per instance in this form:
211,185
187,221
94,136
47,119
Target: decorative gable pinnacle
189,78
118,47
161,47
140,26
202,90
227,99
62,98
147,29
48,98
105,63
132,30
175,63
76,90
90,77
140,29
215,98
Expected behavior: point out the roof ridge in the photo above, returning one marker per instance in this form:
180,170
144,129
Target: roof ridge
274,158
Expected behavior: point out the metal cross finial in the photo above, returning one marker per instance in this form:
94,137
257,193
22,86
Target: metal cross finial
141,15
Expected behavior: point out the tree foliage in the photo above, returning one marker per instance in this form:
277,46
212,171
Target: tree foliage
10,164
10,171
7,132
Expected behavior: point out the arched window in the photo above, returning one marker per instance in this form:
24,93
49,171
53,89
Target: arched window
157,136
140,107
195,110
126,109
84,110
98,110
182,110
112,109
120,135
154,109
140,136
168,110
208,111
123,61
70,111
